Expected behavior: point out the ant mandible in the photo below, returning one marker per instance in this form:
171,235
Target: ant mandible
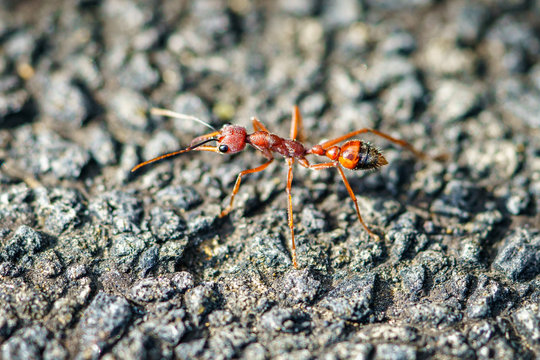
352,155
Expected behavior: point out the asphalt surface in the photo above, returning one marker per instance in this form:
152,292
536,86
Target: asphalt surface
99,262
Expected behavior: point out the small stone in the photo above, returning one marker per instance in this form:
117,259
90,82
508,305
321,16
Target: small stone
517,40
138,74
470,22
136,344
173,251
493,157
105,319
386,71
148,260
201,300
183,281
76,272
298,287
125,250
413,279
460,198
59,208
402,99
394,352
101,145
480,334
190,350
62,101
519,100
527,321
487,298
152,289
298,7
313,220
268,249
519,257
399,43
25,241
220,318
170,327
454,344
179,197
129,110
285,320
8,322
455,100
26,343
341,13
443,57
118,208
51,154
518,201
352,299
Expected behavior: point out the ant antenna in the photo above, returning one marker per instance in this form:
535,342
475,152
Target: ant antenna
172,154
169,113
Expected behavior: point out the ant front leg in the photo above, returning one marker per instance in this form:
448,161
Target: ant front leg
349,190
237,184
296,124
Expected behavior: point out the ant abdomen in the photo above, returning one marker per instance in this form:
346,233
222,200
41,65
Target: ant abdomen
360,155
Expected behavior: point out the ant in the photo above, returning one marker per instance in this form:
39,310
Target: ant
352,155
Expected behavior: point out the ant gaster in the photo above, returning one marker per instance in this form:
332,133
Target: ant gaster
352,155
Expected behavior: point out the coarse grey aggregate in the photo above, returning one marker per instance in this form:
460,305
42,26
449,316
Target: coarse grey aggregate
98,262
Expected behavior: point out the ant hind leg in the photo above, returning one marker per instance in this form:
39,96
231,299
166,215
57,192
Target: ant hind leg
349,190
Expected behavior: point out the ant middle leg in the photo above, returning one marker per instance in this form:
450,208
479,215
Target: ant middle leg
290,162
335,164
237,184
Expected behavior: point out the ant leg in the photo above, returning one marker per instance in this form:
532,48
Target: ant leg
349,190
257,125
290,162
237,184
402,143
296,123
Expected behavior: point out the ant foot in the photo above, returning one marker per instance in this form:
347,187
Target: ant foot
225,212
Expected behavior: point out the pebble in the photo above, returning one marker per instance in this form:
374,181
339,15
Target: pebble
297,287
24,241
488,298
102,323
62,101
120,209
454,100
351,300
51,154
201,300
152,289
285,320
179,197
519,257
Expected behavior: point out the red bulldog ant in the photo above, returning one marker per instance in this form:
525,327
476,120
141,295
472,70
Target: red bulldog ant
352,155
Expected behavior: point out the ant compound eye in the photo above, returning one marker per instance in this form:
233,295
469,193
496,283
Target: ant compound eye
223,148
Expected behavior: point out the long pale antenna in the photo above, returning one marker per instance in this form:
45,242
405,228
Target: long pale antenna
169,113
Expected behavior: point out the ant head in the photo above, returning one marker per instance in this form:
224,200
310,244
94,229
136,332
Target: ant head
232,139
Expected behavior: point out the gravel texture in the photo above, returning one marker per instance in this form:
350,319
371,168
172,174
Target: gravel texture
97,262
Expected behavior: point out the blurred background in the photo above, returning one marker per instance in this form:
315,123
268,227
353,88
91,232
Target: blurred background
97,261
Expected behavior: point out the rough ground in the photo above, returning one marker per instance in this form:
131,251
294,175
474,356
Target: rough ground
97,262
